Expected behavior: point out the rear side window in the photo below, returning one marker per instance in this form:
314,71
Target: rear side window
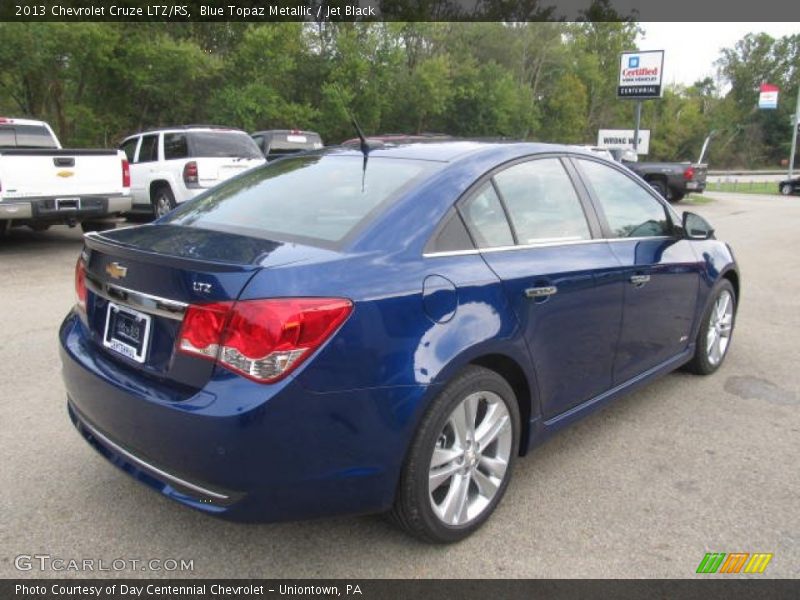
222,144
175,146
483,213
309,199
26,136
129,148
148,151
542,203
629,208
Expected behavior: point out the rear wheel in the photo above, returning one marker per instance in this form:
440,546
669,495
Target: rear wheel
714,337
163,201
459,464
660,187
786,189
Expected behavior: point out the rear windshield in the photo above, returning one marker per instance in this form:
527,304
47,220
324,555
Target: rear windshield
309,198
213,144
294,141
25,136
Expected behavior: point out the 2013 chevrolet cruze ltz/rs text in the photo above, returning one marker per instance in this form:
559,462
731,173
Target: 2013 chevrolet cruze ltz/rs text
384,331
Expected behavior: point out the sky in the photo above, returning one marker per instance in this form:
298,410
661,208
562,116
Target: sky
690,49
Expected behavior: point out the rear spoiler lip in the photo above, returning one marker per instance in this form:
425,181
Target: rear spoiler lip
97,241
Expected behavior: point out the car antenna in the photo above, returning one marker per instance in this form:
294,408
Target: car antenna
363,145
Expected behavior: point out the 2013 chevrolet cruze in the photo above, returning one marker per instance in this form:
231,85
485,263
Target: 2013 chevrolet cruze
341,332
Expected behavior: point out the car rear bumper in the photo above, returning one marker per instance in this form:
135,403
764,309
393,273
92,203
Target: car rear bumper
239,449
62,209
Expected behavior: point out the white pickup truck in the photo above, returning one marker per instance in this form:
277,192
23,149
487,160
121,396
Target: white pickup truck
42,184
170,166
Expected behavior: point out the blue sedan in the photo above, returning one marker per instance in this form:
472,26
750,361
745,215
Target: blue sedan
343,332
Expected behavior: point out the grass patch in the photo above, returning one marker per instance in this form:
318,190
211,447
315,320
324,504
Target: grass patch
744,187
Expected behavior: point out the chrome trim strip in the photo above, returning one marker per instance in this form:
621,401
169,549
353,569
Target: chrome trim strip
540,245
154,305
150,468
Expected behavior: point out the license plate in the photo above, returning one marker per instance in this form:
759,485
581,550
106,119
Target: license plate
127,332
296,139
691,185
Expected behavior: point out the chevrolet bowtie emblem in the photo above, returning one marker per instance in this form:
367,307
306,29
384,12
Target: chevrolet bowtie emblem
116,270
65,173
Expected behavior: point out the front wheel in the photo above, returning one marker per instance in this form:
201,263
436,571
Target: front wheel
714,337
459,463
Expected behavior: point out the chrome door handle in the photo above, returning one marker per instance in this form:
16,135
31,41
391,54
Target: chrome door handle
639,280
541,292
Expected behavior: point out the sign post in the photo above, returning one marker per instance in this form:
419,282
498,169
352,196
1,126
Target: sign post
640,78
795,123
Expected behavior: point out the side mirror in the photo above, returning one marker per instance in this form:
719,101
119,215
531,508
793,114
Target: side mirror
696,227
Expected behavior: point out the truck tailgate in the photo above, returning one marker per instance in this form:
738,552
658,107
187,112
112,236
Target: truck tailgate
28,173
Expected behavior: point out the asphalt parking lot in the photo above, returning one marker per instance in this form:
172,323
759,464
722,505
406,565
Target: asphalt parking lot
645,488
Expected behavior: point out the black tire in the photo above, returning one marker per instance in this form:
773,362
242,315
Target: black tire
676,197
89,226
701,363
660,187
786,189
413,509
163,201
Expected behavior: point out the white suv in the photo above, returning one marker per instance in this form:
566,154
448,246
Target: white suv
170,166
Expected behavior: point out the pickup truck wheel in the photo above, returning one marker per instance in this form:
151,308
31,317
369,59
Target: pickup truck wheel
660,187
786,189
163,201
89,226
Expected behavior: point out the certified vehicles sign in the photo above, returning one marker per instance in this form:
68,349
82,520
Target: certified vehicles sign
640,74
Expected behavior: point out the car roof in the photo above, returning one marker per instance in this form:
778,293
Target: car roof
450,151
177,128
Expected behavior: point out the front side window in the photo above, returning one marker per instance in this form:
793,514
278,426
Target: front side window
486,219
129,148
629,208
542,203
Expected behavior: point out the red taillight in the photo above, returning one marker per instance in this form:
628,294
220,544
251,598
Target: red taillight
80,283
126,173
688,174
190,173
264,340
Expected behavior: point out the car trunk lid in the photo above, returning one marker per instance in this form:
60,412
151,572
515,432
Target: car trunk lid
142,279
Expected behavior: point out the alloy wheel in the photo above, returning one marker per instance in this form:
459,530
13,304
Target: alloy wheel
470,459
720,326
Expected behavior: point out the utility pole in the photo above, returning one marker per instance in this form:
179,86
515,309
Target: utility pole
636,129
795,121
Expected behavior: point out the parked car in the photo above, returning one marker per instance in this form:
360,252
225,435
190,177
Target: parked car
42,184
172,165
329,334
789,186
275,143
